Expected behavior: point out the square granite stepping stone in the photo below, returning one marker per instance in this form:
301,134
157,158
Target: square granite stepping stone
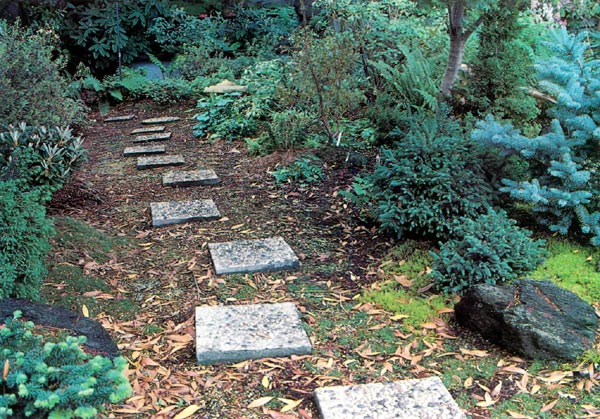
165,213
228,334
425,398
119,118
252,256
152,137
151,162
160,120
147,130
144,149
190,178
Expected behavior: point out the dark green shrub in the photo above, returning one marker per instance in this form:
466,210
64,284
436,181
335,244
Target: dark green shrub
53,376
40,157
490,249
24,235
429,179
33,89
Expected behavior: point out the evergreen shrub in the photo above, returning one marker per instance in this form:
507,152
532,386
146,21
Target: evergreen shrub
427,180
24,235
40,157
490,249
33,88
53,376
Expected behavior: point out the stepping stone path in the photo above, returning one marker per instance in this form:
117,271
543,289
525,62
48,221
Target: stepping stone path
190,178
119,118
147,149
160,120
252,256
165,213
229,334
425,398
147,130
152,137
151,162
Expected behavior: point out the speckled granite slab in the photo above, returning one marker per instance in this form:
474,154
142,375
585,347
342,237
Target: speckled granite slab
226,334
147,130
425,398
190,178
150,162
119,118
160,120
165,213
252,256
152,137
144,149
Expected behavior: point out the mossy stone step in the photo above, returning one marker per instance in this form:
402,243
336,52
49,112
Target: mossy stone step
228,334
120,118
244,256
160,120
151,162
190,178
146,149
152,137
148,130
166,213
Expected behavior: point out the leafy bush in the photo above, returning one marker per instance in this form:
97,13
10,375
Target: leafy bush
33,89
490,249
428,180
40,157
54,377
302,169
564,182
24,235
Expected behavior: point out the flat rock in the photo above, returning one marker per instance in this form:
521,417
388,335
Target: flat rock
160,120
531,318
165,213
150,162
425,398
228,334
225,87
119,118
152,137
244,256
98,339
190,178
145,149
147,130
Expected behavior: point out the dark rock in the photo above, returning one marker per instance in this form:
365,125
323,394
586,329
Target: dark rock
98,340
535,319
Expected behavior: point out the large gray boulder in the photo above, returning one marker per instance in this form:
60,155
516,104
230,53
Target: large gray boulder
535,319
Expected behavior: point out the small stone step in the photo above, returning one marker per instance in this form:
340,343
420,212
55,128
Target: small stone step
150,162
425,398
152,137
245,256
148,130
160,120
144,149
190,178
229,334
165,213
120,118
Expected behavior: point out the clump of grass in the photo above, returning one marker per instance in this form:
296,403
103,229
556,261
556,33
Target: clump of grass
407,264
573,267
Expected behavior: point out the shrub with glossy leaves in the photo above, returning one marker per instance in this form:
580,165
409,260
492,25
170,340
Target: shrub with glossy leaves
53,376
490,249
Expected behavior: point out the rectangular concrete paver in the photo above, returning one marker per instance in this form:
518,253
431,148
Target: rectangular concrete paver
425,398
160,120
148,130
150,162
228,334
165,213
119,118
152,137
190,178
252,256
146,149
